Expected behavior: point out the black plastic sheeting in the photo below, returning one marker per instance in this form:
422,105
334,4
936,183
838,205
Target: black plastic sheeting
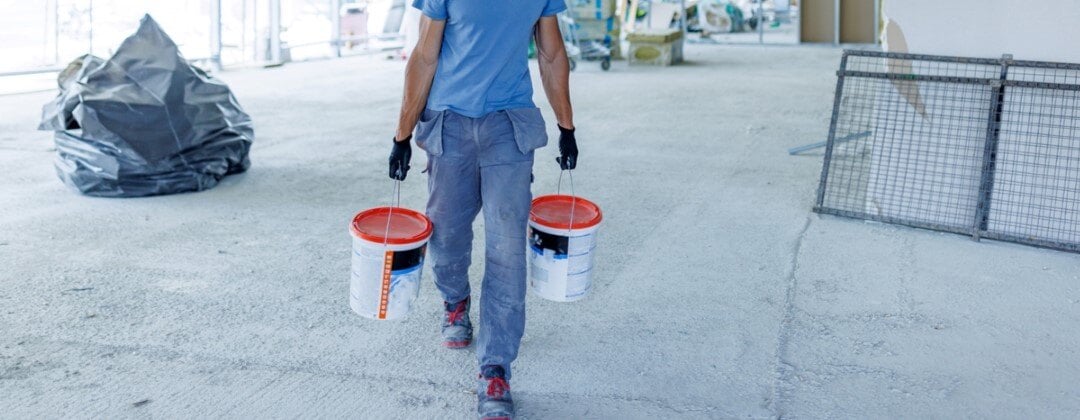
145,122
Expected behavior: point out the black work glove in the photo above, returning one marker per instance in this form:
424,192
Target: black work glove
399,158
567,149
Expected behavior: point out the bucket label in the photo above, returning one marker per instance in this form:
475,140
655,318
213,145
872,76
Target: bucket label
560,266
385,283
405,280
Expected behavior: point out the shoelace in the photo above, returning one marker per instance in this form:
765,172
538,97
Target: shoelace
497,387
456,314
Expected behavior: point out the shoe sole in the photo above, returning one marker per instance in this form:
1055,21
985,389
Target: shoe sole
456,344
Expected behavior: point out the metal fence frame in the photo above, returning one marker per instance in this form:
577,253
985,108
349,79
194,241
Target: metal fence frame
979,226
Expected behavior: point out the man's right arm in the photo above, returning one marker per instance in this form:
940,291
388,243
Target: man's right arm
419,74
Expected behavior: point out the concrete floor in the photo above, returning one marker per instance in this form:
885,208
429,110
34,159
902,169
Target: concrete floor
718,293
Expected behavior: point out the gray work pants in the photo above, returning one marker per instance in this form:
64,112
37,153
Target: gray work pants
484,164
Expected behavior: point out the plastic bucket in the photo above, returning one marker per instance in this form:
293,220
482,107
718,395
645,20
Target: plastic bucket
387,261
562,242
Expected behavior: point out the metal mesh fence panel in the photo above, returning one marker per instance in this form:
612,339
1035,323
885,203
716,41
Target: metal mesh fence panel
1035,192
982,147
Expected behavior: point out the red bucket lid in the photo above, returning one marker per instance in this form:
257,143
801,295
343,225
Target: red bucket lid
406,226
554,211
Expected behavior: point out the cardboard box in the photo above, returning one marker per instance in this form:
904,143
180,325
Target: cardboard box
661,47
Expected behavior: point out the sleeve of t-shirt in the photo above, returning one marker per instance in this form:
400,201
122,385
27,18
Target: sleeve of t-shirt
435,9
553,7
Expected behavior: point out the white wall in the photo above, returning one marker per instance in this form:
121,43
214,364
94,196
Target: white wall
1045,30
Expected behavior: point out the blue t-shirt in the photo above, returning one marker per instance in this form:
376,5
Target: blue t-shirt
483,66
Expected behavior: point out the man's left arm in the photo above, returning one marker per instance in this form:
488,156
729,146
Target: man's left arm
555,75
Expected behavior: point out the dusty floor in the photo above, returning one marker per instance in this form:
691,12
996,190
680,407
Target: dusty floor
718,295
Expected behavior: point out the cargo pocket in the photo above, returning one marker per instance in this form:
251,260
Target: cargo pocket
429,131
529,130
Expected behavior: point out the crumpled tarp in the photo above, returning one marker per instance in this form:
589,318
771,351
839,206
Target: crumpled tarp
145,122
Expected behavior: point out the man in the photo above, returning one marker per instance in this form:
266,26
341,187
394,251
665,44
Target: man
468,95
